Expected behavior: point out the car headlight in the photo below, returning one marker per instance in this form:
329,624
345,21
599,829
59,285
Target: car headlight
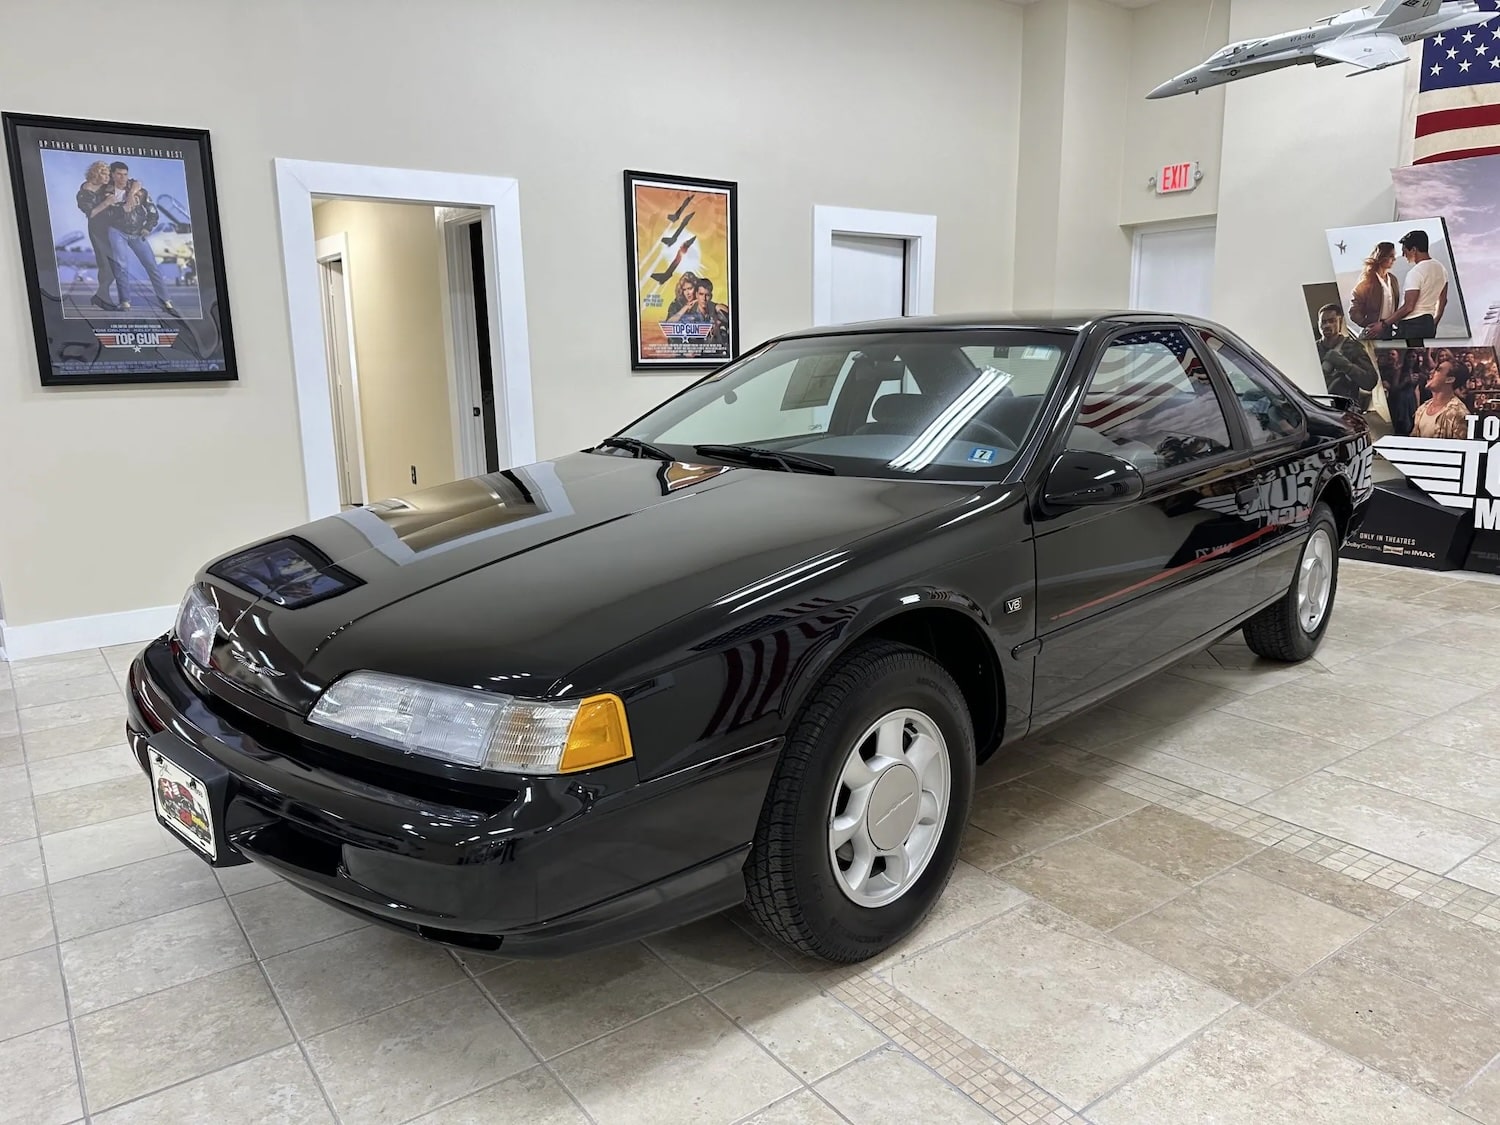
196,626
476,728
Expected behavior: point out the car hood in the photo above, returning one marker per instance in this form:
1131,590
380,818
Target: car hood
509,581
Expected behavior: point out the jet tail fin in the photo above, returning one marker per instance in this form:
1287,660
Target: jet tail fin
1394,13
1367,52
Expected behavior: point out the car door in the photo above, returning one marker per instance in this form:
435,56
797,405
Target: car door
1285,477
1121,586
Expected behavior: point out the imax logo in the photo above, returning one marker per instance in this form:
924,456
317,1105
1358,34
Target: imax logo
1456,472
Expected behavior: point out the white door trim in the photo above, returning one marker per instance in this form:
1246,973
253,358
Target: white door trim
498,200
336,246
918,231
1200,223
461,337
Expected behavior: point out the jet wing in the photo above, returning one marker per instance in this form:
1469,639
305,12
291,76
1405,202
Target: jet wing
1367,52
1394,13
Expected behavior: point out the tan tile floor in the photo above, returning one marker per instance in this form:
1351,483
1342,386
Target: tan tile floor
1240,893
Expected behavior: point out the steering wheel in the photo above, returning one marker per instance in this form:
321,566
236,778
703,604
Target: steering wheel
989,433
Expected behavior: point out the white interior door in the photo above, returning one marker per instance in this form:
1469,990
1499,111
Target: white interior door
346,436
1174,271
869,277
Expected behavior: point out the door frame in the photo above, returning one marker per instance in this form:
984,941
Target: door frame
919,232
1202,222
498,200
336,248
461,336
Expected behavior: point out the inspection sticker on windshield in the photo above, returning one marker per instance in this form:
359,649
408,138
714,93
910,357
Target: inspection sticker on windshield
983,454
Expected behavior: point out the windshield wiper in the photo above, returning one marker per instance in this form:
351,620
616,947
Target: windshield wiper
637,446
759,455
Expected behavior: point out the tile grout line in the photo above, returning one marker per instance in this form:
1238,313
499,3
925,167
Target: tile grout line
1336,1049
539,1063
297,1039
1494,1064
746,1032
135,1098
873,978
754,1113
1180,1046
62,975
994,1064
1098,759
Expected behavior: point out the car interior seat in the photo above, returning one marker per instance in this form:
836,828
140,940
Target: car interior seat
901,413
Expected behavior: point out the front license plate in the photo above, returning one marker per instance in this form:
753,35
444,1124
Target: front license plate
183,805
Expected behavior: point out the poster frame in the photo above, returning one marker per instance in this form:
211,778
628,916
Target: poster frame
208,228
729,188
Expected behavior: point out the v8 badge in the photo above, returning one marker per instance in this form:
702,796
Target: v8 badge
1013,606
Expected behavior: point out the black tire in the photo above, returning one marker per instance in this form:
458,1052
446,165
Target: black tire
1277,632
792,891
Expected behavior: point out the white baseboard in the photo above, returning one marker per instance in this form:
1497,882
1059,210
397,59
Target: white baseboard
72,634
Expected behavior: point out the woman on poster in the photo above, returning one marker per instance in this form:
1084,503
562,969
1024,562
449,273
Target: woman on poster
95,197
1375,294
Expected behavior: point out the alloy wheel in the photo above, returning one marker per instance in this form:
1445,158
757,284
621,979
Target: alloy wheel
1315,581
889,807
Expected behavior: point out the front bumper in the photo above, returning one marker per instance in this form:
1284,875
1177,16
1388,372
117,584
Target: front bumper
548,866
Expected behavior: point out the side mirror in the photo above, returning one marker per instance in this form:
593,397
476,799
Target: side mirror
1081,477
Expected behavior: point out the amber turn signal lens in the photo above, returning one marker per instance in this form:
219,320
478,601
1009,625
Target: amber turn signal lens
598,736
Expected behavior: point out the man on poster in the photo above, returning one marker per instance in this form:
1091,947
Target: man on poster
131,219
1347,368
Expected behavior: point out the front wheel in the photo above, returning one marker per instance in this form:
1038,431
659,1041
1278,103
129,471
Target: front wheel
861,825
1290,629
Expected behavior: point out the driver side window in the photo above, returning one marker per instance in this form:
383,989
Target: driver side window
1151,402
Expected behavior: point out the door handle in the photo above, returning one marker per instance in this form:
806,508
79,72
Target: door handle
478,413
1246,497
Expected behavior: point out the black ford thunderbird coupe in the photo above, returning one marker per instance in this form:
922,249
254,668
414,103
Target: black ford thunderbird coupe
750,648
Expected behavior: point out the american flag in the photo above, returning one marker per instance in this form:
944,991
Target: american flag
1458,96
1139,375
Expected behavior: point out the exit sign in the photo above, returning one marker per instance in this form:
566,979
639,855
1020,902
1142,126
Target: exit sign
1177,177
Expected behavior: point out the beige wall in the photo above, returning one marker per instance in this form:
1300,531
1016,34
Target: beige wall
396,276
1093,254
1167,38
113,498
1304,149
1070,250
1039,170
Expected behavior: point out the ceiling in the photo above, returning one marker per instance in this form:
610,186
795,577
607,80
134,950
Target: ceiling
1116,3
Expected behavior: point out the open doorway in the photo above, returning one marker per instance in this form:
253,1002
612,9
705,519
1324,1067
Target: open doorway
431,272
407,345
470,356
343,377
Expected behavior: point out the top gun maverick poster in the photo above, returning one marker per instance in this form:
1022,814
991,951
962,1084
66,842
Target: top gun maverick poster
120,244
683,255
1438,505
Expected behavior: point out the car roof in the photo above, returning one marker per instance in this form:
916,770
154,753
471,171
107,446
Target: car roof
1053,320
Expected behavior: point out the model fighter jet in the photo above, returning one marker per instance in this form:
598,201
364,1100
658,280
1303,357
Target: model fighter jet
1367,39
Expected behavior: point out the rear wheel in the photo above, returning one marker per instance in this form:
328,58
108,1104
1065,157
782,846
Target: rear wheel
861,825
1290,630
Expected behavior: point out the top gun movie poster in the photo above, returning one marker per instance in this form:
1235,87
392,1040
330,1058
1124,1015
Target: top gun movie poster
120,245
683,257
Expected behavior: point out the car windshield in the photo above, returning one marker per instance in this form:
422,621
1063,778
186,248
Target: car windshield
935,404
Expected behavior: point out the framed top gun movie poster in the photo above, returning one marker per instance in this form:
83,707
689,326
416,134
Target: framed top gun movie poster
120,243
681,237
